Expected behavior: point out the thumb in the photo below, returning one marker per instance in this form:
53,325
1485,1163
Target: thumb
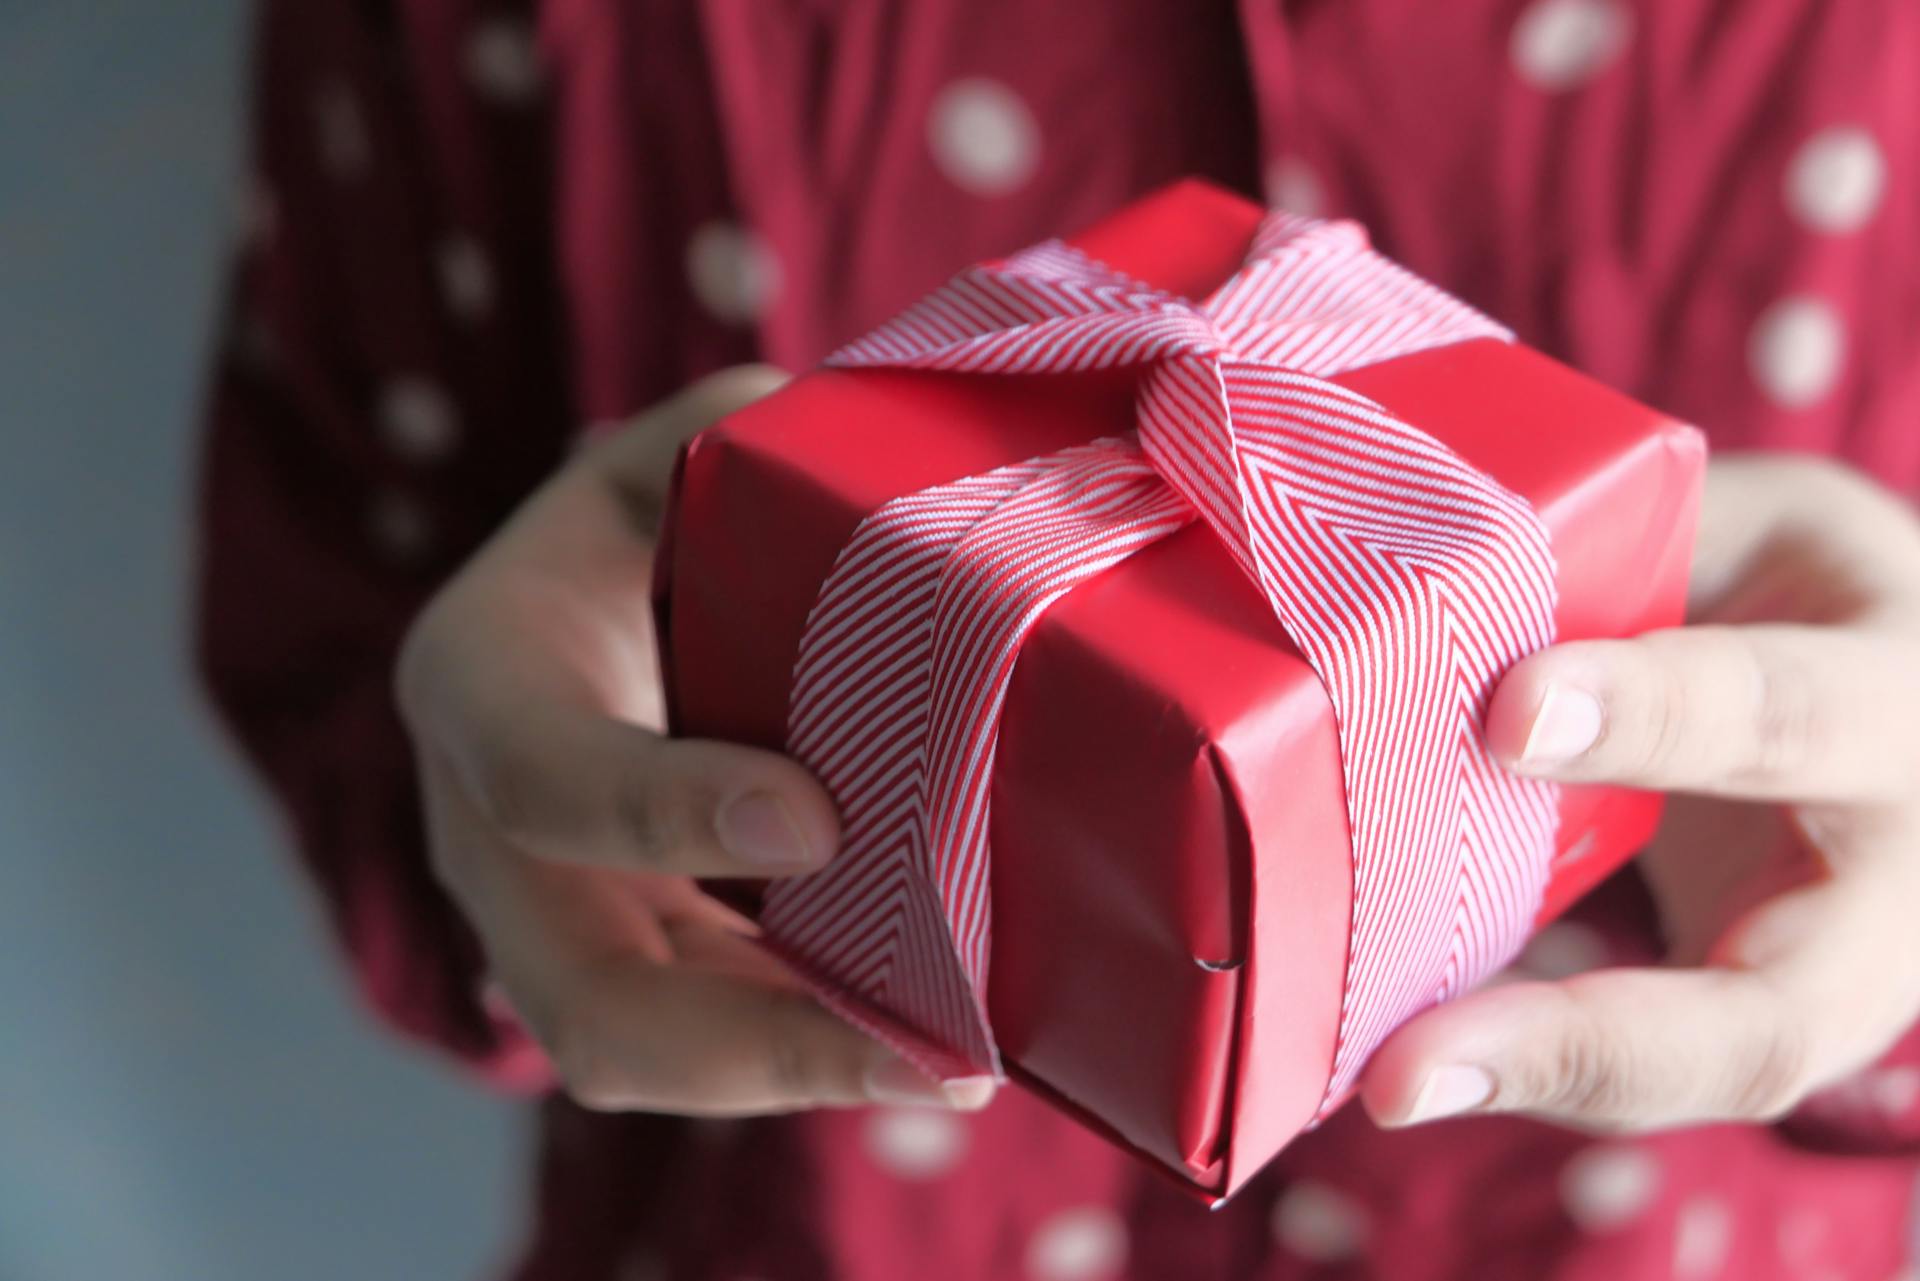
1785,1012
581,788
638,459
1615,1049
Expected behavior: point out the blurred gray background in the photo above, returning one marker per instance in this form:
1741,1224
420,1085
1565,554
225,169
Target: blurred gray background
187,1091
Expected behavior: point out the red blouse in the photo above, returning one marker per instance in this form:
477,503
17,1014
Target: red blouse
476,225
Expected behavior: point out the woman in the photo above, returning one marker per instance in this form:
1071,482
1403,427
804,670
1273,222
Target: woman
477,225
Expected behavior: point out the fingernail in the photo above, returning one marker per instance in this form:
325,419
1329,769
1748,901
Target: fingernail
1449,1090
1567,724
969,1093
758,829
900,1083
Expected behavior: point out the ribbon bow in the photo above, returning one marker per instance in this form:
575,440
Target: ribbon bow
1408,580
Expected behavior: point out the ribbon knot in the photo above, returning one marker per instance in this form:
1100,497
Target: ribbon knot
1405,577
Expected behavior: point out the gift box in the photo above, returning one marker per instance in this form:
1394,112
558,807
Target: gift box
1160,929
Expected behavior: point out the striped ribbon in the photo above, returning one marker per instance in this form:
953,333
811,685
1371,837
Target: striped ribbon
1408,580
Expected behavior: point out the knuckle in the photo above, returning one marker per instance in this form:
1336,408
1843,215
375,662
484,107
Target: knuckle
453,852
1593,1078
649,823
1585,1074
511,798
413,668
450,862
1662,714
464,866
662,808
1785,720
793,1070
1773,1079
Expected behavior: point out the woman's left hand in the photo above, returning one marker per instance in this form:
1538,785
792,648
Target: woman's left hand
1788,877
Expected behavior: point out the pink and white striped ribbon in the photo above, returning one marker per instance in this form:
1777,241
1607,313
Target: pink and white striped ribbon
1407,579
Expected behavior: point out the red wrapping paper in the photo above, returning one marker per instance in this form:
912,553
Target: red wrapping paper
1172,874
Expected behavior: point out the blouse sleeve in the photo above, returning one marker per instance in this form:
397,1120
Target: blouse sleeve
386,390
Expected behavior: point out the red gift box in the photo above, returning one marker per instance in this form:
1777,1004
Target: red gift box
1172,876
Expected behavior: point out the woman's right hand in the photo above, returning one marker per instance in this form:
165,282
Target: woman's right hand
570,830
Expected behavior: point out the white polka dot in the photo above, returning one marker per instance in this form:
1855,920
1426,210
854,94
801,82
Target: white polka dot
1563,949
1558,44
1319,1223
915,1143
983,137
340,130
400,528
466,277
1082,1244
1796,350
503,61
1607,1187
733,271
1894,1091
418,420
1800,1233
1702,1235
1835,179
1292,185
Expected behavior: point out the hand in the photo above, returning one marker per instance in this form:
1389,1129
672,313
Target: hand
1789,711
570,831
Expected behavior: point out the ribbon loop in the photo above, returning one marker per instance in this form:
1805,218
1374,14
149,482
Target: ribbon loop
1406,578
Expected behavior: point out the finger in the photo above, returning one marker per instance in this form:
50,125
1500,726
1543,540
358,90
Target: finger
1614,1049
535,917
556,776
581,788
1829,524
658,1004
535,678
1766,712
709,1042
1787,1012
593,524
637,460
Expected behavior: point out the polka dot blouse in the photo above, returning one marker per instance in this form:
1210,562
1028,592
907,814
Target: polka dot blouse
474,228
